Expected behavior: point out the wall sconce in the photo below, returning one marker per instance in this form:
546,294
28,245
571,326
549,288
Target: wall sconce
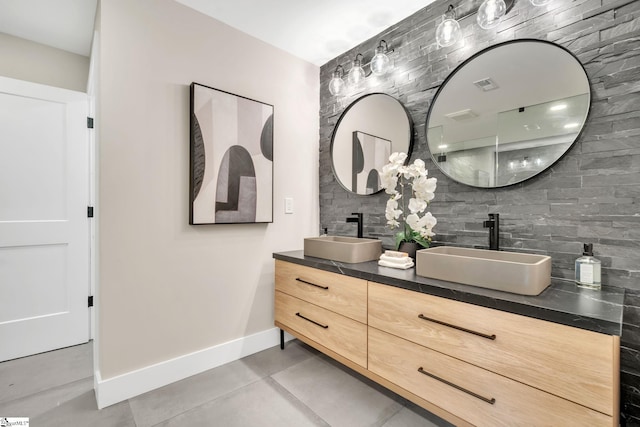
356,73
381,63
336,85
490,13
448,31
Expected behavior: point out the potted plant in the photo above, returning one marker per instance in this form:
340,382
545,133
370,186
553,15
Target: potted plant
415,192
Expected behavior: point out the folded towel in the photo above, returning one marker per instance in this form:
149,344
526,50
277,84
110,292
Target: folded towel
394,265
395,260
396,254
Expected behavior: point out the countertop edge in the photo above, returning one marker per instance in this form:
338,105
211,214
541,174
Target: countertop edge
539,307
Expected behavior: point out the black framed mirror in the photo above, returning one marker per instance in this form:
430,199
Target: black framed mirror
367,132
508,113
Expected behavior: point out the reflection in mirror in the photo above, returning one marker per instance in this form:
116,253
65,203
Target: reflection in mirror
370,153
369,130
508,113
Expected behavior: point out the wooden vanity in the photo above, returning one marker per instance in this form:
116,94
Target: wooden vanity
470,364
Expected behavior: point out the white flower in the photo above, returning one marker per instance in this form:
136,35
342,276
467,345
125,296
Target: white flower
392,213
398,158
423,225
415,170
413,221
417,205
425,187
428,221
389,180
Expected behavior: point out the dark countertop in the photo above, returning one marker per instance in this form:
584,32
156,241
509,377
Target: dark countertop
562,302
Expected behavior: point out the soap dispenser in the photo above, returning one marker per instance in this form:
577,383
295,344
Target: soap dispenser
588,269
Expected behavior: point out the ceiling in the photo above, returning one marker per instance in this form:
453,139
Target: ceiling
316,31
63,24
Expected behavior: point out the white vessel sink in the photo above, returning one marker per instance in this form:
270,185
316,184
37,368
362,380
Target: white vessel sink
343,249
524,274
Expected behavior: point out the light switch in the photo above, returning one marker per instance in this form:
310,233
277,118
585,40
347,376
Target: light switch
288,205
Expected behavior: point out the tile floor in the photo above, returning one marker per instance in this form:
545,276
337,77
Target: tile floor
296,386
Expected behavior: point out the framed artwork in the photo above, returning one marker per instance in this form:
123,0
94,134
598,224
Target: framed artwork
370,154
231,171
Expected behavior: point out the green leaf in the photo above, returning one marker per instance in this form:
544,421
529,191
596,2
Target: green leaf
410,235
400,237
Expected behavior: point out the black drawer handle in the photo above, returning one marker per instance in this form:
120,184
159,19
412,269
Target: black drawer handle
312,284
312,321
460,328
442,380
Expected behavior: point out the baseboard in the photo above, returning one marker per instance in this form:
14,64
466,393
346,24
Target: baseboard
134,383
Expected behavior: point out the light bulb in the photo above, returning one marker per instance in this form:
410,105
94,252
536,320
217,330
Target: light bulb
540,2
448,32
490,13
380,62
356,73
336,85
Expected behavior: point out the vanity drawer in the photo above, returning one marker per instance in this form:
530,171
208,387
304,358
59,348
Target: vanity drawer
336,292
578,365
476,395
342,335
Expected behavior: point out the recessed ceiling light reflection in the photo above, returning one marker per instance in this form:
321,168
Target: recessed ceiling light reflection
571,125
558,107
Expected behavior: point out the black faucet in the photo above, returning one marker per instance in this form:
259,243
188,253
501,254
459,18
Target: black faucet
358,219
493,224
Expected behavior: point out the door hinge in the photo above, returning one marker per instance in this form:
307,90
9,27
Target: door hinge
90,301
90,122
90,211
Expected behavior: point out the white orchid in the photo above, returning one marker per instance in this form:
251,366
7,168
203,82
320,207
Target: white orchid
418,228
417,205
392,213
389,179
424,187
398,158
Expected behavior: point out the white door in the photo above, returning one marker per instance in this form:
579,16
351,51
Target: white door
44,229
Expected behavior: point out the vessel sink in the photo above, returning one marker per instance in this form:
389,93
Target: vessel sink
343,249
524,274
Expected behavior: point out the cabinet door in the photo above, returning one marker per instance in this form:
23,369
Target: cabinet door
340,334
578,365
343,294
476,395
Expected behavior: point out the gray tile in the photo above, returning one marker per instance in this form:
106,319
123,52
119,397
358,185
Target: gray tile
338,395
263,403
414,416
273,360
174,399
36,404
83,411
33,374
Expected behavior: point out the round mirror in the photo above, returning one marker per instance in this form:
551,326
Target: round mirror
508,113
368,131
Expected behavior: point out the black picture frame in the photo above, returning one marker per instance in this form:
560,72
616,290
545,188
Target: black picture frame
231,158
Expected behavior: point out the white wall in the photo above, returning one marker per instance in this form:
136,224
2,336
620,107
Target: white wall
167,289
26,60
